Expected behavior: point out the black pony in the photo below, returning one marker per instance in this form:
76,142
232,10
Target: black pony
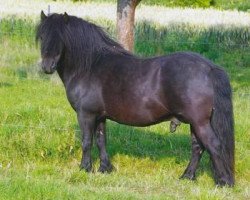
104,81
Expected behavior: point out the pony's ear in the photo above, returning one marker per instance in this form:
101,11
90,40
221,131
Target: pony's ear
43,16
66,17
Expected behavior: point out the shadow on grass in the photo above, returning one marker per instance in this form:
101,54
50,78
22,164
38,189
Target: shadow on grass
141,142
144,143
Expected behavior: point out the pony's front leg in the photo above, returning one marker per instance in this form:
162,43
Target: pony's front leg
105,165
87,124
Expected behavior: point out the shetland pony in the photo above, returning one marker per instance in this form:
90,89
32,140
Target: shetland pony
104,81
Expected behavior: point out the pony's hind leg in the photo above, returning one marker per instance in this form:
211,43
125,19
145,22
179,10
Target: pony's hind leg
197,150
105,165
213,145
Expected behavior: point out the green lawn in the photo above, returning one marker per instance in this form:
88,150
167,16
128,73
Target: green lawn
40,140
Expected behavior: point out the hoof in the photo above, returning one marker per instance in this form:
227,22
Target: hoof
106,168
222,183
188,176
86,167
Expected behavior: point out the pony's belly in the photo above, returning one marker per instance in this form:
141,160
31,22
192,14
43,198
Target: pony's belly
140,122
139,117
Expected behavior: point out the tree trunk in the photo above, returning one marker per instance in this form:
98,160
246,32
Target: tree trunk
125,22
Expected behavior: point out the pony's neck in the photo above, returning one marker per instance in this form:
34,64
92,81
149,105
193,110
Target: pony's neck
71,66
61,70
66,71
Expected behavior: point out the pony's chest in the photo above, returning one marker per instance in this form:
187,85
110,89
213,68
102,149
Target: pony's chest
84,98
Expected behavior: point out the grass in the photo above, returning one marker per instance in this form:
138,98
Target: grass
40,140
233,4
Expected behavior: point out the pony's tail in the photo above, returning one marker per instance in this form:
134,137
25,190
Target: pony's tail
222,119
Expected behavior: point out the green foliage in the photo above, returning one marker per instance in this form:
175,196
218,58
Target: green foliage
169,3
180,3
40,146
18,29
243,5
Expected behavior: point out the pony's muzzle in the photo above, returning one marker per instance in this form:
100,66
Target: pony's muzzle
49,65
49,69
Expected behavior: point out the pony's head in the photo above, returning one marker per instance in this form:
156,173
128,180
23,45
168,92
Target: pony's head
49,33
68,38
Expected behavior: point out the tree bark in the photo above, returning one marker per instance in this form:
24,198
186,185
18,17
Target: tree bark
125,22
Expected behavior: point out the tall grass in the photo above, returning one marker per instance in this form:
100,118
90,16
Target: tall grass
226,45
243,5
233,4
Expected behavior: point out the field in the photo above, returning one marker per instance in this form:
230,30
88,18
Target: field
39,136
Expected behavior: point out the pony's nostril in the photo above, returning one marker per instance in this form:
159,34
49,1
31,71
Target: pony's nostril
53,65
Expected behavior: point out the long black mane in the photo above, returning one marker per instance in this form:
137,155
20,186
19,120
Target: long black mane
85,41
